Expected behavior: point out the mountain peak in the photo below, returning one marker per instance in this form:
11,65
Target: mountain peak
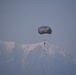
47,47
40,58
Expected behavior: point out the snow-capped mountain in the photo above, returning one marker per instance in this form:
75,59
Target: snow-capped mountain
40,58
50,49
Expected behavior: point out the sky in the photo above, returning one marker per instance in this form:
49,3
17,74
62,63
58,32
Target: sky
20,19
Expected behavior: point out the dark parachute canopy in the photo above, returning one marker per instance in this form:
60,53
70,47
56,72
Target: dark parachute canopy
44,30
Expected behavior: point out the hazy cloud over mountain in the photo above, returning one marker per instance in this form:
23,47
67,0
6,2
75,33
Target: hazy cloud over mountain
21,53
34,59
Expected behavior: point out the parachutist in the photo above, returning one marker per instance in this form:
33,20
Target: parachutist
44,30
44,43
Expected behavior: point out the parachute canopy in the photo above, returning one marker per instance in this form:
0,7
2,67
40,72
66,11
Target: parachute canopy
44,30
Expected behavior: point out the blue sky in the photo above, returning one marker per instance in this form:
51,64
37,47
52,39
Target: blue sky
20,19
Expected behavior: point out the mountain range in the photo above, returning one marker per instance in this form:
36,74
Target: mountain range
40,58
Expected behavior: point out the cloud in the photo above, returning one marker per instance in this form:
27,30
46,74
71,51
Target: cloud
50,49
7,47
28,47
8,44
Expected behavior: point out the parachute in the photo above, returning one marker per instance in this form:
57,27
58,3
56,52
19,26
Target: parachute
44,30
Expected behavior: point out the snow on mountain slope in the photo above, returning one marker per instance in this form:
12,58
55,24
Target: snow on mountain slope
47,47
9,47
40,58
8,44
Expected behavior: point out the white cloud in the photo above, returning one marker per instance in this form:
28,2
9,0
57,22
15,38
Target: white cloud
8,44
28,47
50,49
47,47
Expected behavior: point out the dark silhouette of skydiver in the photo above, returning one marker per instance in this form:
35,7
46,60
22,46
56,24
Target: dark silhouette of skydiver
44,45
